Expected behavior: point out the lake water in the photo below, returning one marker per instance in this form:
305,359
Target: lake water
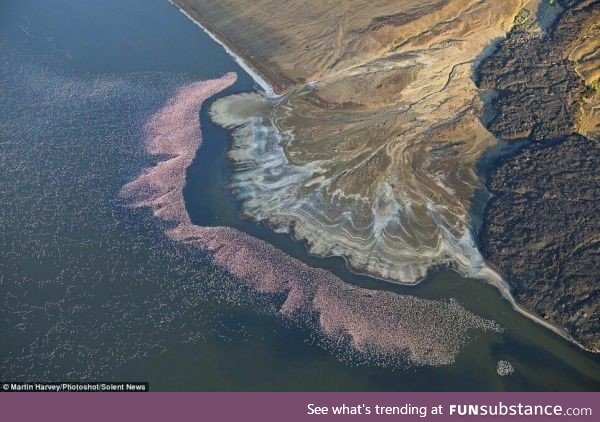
90,289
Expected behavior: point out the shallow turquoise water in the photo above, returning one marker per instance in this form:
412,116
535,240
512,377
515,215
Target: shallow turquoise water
90,289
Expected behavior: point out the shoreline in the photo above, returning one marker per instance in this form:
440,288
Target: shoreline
371,318
498,153
505,291
270,87
273,89
488,161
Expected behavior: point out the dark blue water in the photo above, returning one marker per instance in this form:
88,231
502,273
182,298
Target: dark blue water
92,290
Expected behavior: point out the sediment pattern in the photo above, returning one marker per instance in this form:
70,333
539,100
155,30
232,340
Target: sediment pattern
541,228
370,152
381,325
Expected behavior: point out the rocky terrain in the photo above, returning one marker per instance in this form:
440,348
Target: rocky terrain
543,234
541,228
539,90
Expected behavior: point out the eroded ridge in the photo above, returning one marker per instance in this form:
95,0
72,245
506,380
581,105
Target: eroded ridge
381,325
370,151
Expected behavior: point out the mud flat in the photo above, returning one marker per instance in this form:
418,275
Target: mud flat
385,327
370,152
541,229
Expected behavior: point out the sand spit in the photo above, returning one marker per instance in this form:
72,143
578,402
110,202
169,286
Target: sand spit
379,325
